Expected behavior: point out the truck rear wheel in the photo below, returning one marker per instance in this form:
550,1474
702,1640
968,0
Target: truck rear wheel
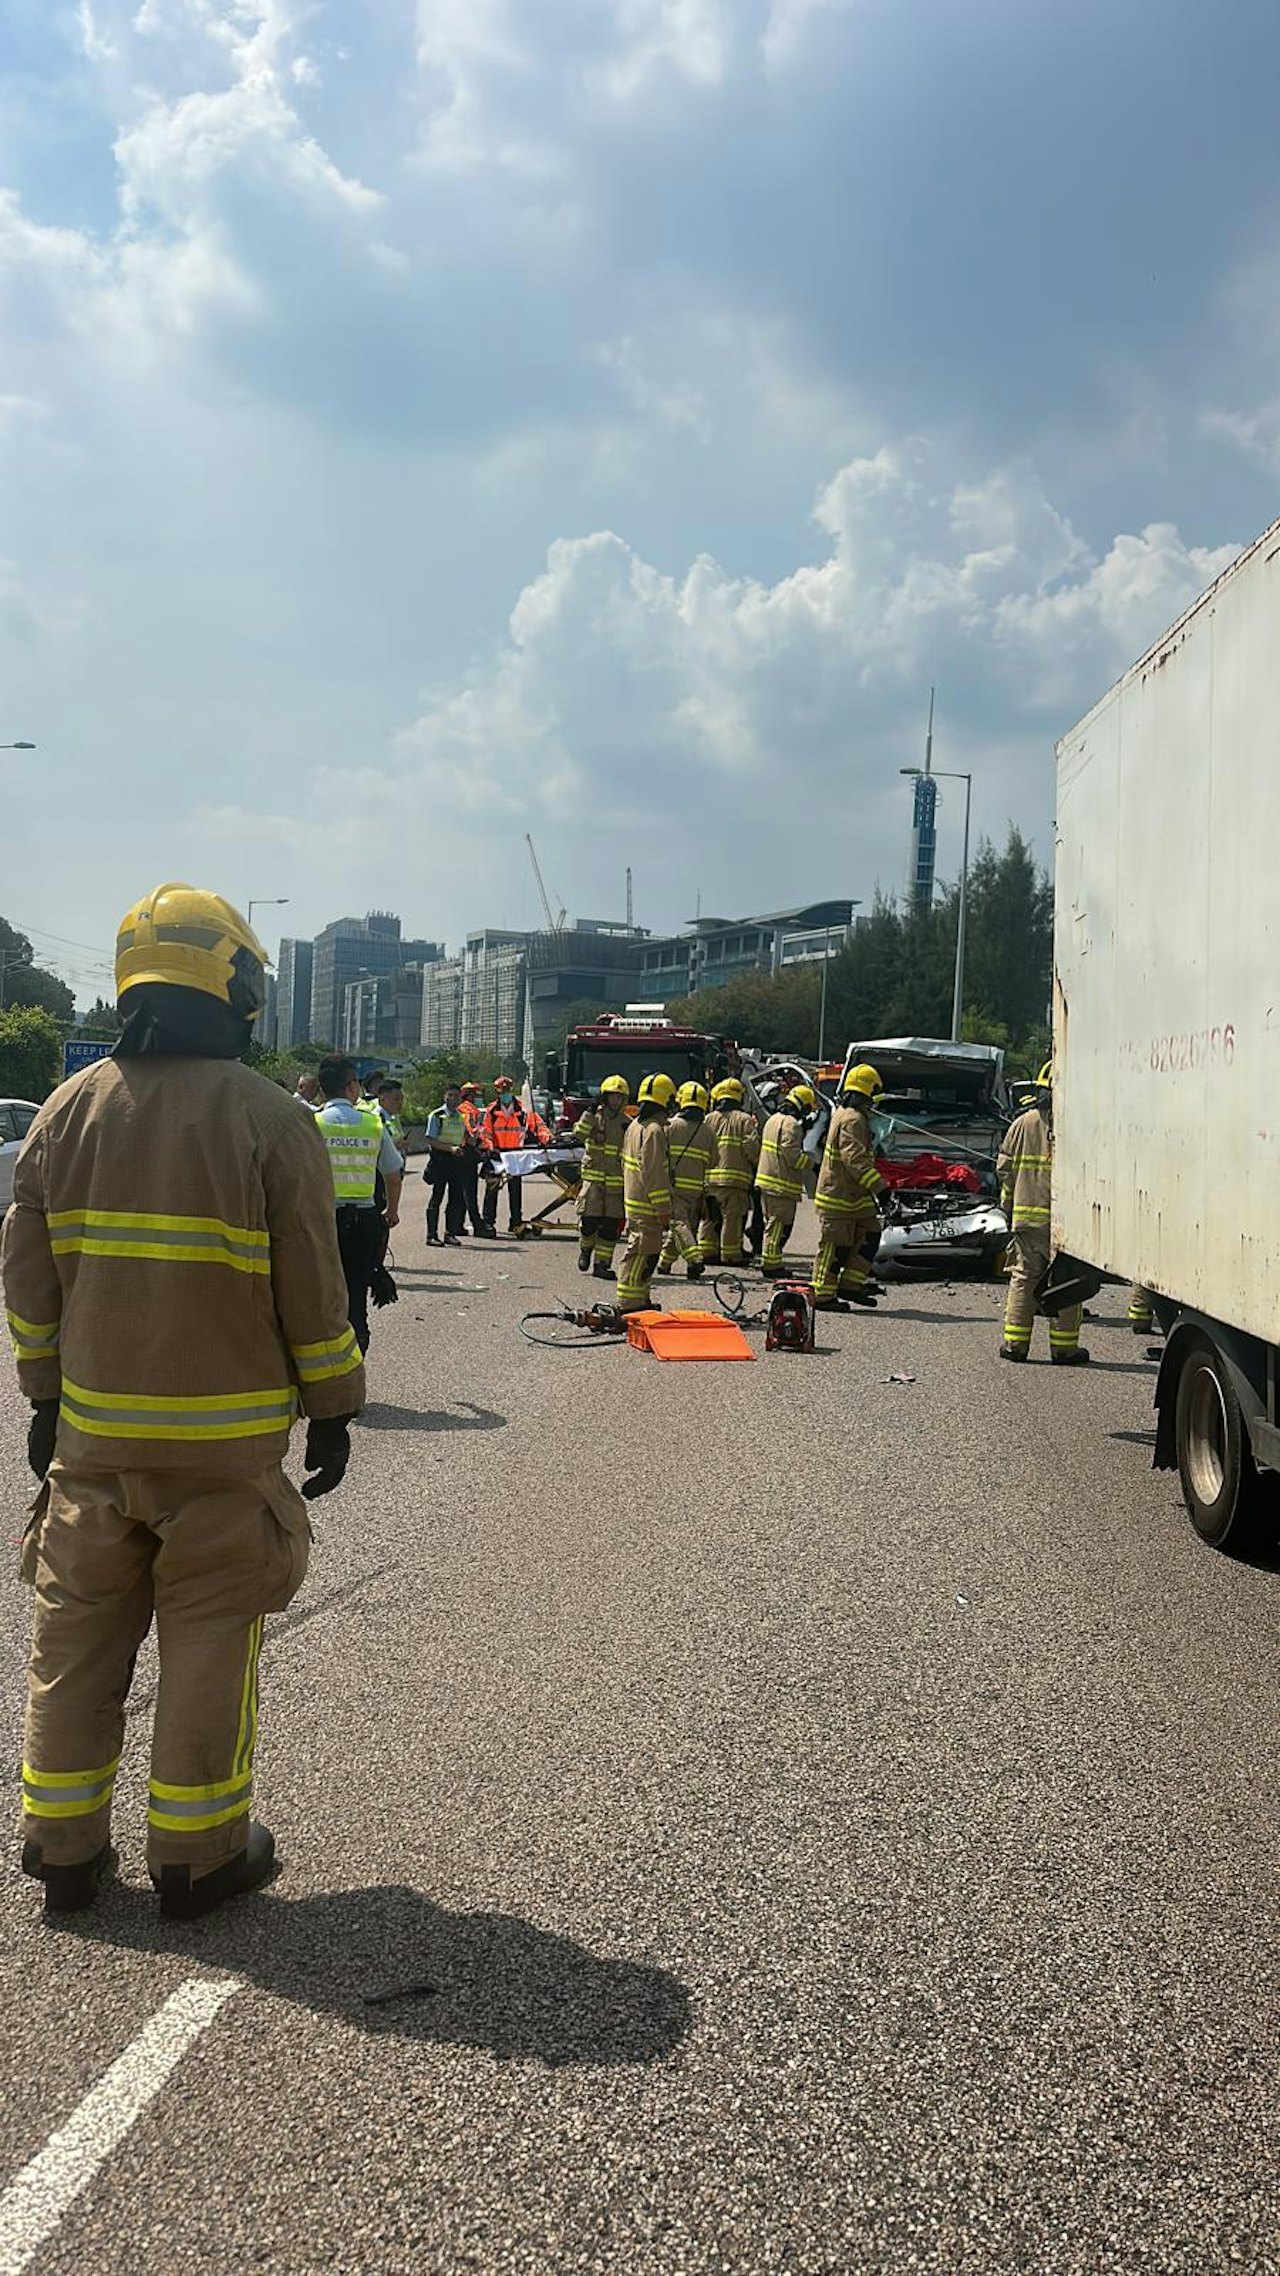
1220,1484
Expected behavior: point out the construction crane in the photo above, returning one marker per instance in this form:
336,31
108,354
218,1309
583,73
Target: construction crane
554,924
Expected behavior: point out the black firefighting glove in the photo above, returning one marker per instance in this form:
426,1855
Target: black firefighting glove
328,1453
42,1434
383,1289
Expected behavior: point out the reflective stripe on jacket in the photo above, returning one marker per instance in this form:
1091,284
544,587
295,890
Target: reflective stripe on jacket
507,1128
473,1116
848,1180
646,1174
782,1157
737,1138
353,1149
171,1269
601,1131
692,1148
1025,1172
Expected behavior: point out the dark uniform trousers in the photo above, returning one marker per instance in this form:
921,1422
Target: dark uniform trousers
361,1235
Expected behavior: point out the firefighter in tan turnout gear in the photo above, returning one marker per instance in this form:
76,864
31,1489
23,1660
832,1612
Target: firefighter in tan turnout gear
646,1172
1025,1170
780,1177
174,1294
601,1130
849,1186
692,1147
732,1174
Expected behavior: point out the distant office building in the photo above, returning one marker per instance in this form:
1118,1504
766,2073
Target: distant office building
293,994
592,962
442,1005
264,1027
493,992
717,949
357,948
383,1012
516,986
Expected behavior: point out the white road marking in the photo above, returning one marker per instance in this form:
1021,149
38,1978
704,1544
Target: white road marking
36,2199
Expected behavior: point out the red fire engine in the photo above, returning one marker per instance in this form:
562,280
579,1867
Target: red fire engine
636,1042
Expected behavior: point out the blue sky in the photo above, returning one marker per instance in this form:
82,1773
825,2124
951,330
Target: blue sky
421,424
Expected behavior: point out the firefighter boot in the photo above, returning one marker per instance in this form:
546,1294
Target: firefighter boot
584,1259
181,1898
67,1888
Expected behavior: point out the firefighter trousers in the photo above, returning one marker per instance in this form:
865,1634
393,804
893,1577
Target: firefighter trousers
682,1243
709,1228
733,1202
600,1213
779,1219
1141,1316
205,1557
1028,1262
842,1268
640,1255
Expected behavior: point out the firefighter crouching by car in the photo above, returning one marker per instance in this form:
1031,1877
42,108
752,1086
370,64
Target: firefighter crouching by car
729,1181
691,1146
601,1208
174,1292
849,1186
646,1177
780,1176
1025,1169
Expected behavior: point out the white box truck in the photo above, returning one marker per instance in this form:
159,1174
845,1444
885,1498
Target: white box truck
1167,1025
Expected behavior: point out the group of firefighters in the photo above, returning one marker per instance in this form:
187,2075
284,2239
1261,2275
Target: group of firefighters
185,1268
678,1180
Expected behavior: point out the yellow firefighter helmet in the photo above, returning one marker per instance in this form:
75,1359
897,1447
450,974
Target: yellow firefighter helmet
1044,1080
182,937
864,1081
692,1094
656,1090
802,1097
616,1086
729,1090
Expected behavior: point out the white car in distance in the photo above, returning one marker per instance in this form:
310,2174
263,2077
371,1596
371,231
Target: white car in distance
16,1118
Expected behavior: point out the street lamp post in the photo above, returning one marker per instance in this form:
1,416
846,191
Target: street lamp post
822,1009
280,902
826,959
951,774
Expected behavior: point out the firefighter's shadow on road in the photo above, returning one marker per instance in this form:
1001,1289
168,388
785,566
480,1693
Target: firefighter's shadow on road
393,1964
378,1416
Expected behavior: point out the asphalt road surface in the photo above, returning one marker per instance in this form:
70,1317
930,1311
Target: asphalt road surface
733,1818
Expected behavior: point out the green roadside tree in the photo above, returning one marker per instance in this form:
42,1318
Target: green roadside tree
30,1052
26,982
767,1012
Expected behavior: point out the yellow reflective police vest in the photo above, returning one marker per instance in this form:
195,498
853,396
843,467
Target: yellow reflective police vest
354,1148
